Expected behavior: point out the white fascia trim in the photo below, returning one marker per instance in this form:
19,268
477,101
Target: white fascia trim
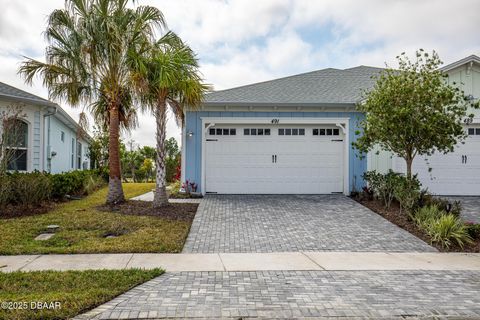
207,122
281,120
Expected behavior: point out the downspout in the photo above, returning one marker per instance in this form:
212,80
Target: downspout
49,151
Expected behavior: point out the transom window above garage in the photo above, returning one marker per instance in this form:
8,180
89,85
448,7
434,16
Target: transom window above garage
326,132
474,131
291,132
256,132
222,131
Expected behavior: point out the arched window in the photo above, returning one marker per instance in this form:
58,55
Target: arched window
16,144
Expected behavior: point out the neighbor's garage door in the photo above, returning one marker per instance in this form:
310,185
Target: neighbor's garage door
455,173
260,159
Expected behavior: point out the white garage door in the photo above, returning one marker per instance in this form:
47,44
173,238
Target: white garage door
262,159
455,173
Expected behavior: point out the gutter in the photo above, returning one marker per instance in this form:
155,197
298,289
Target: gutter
49,153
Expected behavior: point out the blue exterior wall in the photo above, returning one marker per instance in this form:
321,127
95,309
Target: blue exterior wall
193,146
62,161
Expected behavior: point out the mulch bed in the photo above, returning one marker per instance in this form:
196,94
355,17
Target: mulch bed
394,215
11,211
172,211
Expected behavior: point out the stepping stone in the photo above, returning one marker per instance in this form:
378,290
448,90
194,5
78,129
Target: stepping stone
52,228
44,236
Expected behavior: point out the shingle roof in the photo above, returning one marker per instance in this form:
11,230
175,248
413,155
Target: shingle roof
327,86
12,93
17,94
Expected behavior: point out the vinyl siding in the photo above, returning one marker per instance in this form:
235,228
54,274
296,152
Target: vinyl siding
193,123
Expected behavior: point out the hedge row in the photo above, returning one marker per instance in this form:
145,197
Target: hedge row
30,189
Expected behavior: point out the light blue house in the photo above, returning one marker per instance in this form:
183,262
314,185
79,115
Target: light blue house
51,139
284,136
294,134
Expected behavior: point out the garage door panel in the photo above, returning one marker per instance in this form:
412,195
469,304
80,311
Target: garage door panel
451,173
244,164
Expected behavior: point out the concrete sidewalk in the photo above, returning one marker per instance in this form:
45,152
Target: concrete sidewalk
301,261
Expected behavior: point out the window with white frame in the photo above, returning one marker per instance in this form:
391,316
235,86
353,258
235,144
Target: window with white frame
79,155
474,131
73,154
16,144
326,132
291,132
222,131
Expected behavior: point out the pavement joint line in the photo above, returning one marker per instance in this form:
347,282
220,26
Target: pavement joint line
221,261
309,258
129,260
28,262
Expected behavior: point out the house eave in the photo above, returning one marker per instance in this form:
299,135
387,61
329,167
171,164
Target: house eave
461,62
27,100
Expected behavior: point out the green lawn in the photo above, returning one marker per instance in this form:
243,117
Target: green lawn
83,229
73,291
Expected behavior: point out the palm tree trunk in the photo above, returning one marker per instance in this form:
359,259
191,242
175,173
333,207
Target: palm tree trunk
160,198
115,189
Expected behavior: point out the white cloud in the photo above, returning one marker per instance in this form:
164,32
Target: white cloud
246,41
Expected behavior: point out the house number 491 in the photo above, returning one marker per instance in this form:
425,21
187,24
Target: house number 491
275,121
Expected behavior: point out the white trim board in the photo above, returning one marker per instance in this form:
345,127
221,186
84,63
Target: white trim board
343,123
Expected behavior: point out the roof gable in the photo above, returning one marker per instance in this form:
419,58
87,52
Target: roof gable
11,92
470,59
326,86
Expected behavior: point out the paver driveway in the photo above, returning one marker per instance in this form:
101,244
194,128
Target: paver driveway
471,208
301,295
280,223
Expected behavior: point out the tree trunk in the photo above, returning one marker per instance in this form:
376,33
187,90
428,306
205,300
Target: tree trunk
115,189
160,198
409,168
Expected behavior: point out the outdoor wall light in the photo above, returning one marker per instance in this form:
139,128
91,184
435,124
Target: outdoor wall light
190,134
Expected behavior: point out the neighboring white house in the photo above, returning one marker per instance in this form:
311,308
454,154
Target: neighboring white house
458,172
52,142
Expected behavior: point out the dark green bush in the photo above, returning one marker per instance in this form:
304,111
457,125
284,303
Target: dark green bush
473,230
30,189
454,208
75,183
5,190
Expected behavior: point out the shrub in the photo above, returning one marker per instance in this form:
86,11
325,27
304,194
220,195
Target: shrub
425,216
442,227
473,230
92,183
75,183
5,190
382,185
407,192
447,230
454,208
30,189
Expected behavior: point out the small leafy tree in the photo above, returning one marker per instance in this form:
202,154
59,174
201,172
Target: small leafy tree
413,111
98,150
147,166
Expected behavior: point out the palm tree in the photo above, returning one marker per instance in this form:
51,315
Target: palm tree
88,62
169,77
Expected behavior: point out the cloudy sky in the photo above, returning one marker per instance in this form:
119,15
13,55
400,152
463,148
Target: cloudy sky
245,41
